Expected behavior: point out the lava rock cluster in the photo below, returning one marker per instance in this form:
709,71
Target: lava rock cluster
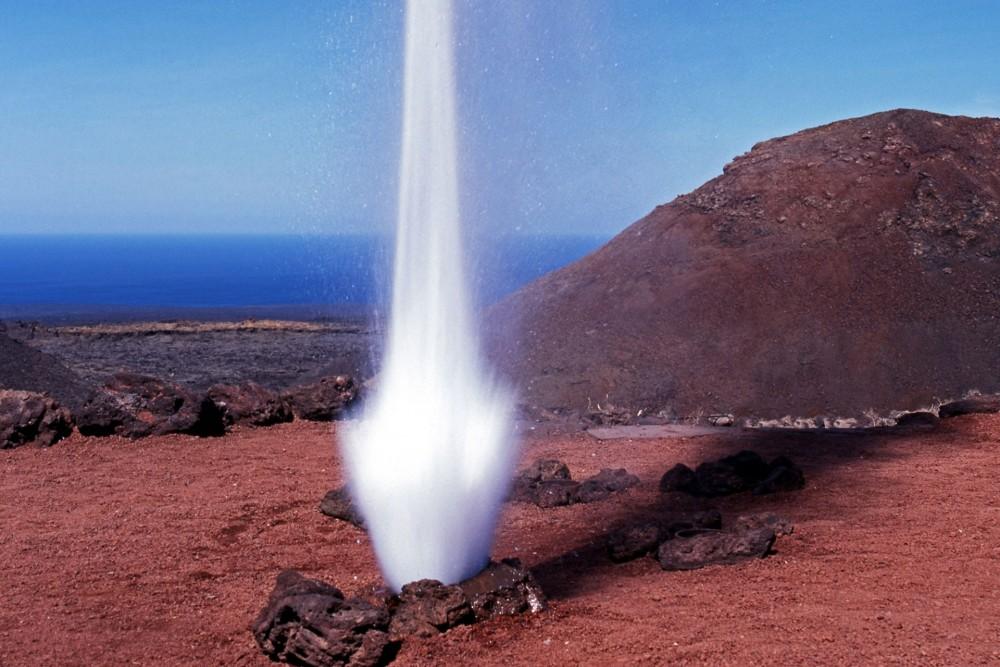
310,622
744,471
698,540
547,483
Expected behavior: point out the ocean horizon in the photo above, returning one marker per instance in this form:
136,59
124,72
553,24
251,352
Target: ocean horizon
227,276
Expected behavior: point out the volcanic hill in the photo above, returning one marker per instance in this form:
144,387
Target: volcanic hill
845,268
23,367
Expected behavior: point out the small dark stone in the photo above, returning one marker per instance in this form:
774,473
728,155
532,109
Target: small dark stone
503,589
716,478
630,543
308,622
615,480
748,464
589,491
249,404
603,484
544,470
780,525
731,474
679,478
970,406
556,492
714,548
782,476
427,607
326,400
525,486
27,417
339,505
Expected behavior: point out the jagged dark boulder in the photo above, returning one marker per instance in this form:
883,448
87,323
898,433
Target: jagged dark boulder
308,622
249,404
27,417
325,400
503,589
136,406
427,607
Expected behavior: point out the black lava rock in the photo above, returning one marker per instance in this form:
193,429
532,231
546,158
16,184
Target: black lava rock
547,483
555,492
604,483
326,400
525,487
744,471
136,406
27,417
679,478
427,607
632,542
503,589
714,547
731,474
339,505
249,404
308,622
782,475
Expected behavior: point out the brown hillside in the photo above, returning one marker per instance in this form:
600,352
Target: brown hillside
846,267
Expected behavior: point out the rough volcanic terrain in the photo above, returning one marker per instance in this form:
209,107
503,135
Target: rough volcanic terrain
163,551
274,353
844,268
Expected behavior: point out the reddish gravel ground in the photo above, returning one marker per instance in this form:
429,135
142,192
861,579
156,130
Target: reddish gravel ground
161,552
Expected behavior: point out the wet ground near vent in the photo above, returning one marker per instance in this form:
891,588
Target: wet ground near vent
162,551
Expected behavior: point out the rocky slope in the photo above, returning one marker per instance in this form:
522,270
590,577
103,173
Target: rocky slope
848,267
22,367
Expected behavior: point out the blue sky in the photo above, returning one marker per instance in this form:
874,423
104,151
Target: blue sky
577,117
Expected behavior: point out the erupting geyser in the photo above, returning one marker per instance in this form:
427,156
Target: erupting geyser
430,463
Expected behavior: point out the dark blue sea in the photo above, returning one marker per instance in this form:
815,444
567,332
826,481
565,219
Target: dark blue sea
109,277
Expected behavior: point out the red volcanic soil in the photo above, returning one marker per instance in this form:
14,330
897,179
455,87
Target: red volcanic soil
161,552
